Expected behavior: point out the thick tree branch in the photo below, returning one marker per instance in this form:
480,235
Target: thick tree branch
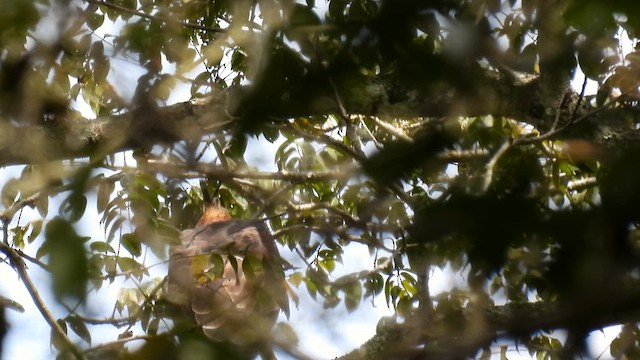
512,319
73,136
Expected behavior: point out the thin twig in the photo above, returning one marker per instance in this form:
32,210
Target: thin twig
328,140
343,110
272,198
559,111
373,138
8,213
341,231
152,296
11,304
155,18
125,340
575,109
332,209
21,268
119,322
291,350
491,164
393,130
343,280
217,172
358,156
301,255
33,260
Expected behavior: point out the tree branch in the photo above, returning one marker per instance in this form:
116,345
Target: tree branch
512,319
21,268
581,184
216,172
73,136
8,213
115,344
153,17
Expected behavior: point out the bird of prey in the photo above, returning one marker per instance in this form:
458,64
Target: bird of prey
229,275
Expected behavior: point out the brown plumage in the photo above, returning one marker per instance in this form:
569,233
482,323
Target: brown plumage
230,276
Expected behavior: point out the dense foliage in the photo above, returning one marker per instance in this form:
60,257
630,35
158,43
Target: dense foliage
453,134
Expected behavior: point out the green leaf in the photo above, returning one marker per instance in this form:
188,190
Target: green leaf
337,9
271,134
10,192
374,284
330,301
388,287
95,20
353,295
145,317
67,259
56,339
251,266
216,265
131,243
409,283
238,60
42,205
153,326
236,147
101,246
362,9
105,189
74,206
296,278
303,16
129,265
115,226
18,236
328,264
404,306
36,228
79,327
312,287
233,262
110,263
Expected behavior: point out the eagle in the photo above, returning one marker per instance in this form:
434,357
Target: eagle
228,274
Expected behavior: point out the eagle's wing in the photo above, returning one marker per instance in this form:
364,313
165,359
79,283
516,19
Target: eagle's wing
219,289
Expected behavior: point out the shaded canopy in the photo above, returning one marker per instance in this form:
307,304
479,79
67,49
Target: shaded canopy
497,140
